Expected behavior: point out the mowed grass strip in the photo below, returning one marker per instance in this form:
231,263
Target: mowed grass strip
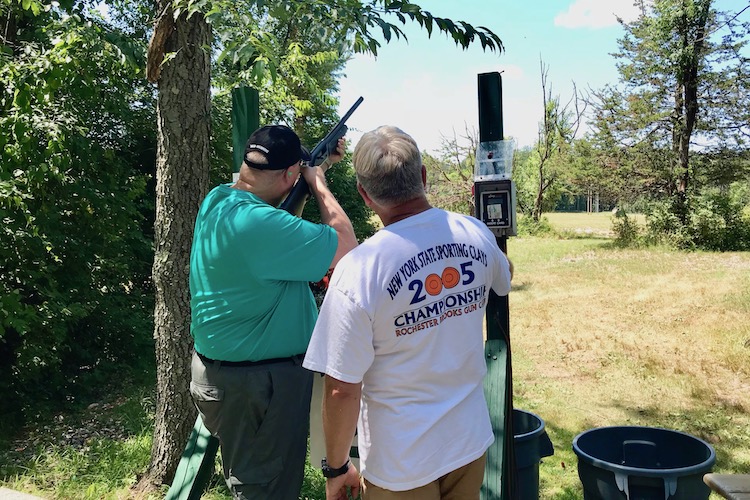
604,336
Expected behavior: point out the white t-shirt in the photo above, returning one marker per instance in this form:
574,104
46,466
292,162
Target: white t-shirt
403,315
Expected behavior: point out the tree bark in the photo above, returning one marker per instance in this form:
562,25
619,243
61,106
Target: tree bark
690,80
182,177
692,34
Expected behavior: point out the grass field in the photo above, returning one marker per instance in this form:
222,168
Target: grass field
604,336
581,222
600,336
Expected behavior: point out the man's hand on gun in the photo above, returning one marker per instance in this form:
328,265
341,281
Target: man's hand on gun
309,173
337,155
295,201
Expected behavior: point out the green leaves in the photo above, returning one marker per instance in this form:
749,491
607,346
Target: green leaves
673,63
250,33
33,6
132,51
462,33
70,201
670,128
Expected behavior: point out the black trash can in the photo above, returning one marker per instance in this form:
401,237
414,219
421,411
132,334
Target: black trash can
642,463
531,443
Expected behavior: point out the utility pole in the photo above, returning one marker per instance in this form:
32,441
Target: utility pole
494,196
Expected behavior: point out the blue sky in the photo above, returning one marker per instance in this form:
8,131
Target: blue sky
428,86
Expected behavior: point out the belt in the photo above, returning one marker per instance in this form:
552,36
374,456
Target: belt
297,359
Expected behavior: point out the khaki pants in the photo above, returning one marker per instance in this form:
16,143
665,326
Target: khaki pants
463,483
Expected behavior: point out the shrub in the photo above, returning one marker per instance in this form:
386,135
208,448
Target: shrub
627,231
75,292
717,220
527,226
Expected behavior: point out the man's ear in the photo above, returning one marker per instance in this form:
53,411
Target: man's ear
288,176
364,195
424,176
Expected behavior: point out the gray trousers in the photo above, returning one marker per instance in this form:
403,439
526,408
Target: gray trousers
260,414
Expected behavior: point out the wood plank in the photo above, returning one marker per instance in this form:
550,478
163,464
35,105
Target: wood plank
495,390
196,465
730,486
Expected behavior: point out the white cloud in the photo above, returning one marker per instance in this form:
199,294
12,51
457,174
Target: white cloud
596,13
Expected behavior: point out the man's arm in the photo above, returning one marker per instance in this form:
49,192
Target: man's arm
340,413
510,265
331,212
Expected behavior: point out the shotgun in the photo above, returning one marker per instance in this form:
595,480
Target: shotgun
300,193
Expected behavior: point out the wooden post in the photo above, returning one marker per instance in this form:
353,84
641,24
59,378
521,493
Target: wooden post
245,121
498,385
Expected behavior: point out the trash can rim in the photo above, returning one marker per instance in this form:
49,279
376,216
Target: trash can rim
641,471
526,435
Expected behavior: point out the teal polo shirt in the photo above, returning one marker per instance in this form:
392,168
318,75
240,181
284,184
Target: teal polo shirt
250,268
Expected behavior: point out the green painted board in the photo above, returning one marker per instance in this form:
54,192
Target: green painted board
196,465
496,354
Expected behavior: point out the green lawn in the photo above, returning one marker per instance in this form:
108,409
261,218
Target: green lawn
604,336
582,223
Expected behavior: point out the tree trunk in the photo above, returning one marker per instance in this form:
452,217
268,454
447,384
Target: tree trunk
693,46
690,78
182,176
539,200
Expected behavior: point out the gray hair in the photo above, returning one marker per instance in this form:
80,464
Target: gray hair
389,166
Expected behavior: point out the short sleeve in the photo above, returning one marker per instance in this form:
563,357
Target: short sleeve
342,341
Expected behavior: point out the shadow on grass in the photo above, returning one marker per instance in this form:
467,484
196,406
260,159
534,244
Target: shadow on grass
558,478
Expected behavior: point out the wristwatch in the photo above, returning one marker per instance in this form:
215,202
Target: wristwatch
329,473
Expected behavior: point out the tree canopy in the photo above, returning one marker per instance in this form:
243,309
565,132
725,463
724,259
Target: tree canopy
684,89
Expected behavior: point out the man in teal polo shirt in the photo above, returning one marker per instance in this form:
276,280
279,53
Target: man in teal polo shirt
253,312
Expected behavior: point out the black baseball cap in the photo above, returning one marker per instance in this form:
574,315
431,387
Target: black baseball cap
280,146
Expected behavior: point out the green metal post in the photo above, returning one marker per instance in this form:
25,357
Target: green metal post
498,385
197,463
245,120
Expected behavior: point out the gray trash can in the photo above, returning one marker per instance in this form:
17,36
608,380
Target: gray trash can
531,443
642,463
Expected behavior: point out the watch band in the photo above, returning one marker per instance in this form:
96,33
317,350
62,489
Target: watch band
329,472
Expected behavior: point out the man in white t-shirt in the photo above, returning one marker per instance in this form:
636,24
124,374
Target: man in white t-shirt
399,338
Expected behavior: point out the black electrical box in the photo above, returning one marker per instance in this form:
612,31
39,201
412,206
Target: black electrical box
495,205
